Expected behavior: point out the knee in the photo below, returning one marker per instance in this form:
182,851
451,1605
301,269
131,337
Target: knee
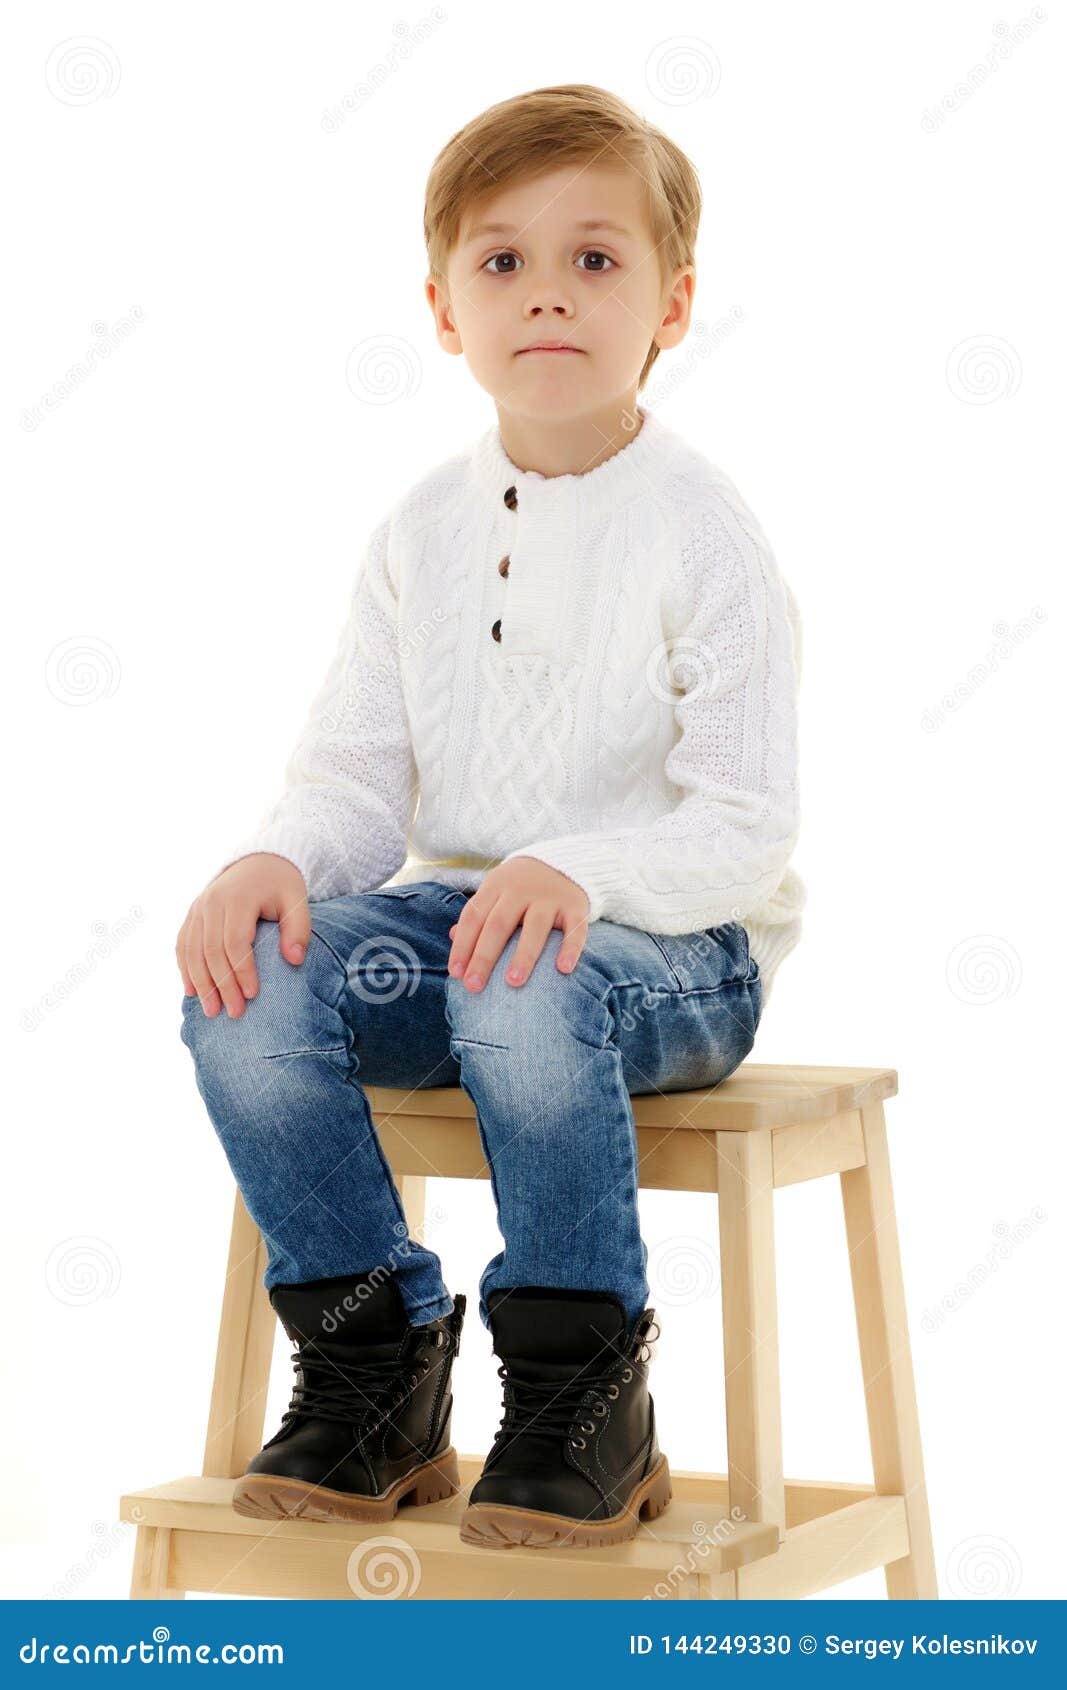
295,1004
532,1018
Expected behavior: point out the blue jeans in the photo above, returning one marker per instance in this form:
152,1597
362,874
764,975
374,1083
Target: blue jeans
549,1065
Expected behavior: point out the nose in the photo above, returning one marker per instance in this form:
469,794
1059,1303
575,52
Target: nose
551,297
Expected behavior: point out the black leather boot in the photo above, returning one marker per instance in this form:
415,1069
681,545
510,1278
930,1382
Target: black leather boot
576,1459
370,1421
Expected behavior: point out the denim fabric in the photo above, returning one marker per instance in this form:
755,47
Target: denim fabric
550,1067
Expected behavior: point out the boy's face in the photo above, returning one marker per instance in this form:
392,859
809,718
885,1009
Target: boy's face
566,257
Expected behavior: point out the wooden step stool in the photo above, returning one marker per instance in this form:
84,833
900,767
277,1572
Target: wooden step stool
748,1533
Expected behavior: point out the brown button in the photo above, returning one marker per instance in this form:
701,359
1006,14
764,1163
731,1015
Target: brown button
511,498
503,565
496,629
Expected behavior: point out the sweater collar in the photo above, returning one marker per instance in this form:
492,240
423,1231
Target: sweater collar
637,467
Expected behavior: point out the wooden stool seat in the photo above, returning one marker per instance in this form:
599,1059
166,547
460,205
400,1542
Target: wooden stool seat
744,1534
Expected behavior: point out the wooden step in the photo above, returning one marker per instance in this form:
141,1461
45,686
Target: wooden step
693,1549
211,1548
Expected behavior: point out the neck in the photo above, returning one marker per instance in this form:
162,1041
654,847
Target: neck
570,445
648,453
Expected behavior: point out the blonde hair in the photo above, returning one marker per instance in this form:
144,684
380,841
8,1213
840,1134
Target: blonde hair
532,133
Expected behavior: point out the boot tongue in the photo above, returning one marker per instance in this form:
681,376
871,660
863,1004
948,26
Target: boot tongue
553,1337
365,1311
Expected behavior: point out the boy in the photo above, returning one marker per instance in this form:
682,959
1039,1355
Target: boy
562,717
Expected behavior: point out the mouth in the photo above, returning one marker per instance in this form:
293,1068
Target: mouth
549,346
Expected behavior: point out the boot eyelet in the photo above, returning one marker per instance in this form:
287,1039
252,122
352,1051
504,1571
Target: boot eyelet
628,1375
577,1443
414,1379
613,1391
587,1426
600,1409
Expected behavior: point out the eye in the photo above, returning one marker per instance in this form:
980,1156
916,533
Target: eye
594,252
493,259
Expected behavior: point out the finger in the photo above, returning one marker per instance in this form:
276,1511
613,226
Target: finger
219,964
575,933
497,929
183,967
295,934
537,925
210,1002
466,932
238,938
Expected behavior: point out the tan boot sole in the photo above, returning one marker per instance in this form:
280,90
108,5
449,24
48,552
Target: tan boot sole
494,1525
270,1496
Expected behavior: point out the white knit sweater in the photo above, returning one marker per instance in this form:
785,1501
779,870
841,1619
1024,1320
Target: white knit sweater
634,725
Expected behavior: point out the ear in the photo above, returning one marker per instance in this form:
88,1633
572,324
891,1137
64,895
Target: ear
677,309
441,306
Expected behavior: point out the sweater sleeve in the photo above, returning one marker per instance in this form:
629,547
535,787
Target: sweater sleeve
721,852
350,781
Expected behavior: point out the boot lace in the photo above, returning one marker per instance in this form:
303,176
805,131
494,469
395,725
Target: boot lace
552,1406
339,1385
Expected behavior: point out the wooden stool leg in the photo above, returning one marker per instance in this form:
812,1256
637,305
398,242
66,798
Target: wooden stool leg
242,1360
246,1339
151,1565
885,1353
412,1189
706,1587
750,1327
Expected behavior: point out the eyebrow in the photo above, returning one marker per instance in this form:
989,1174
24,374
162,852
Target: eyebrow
586,223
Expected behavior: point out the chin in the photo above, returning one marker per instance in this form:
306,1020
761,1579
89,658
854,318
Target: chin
548,397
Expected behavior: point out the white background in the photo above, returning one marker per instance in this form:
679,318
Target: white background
185,526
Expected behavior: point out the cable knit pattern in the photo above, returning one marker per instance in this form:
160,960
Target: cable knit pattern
634,726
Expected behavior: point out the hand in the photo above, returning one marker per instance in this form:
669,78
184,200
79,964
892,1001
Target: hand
525,890
214,947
